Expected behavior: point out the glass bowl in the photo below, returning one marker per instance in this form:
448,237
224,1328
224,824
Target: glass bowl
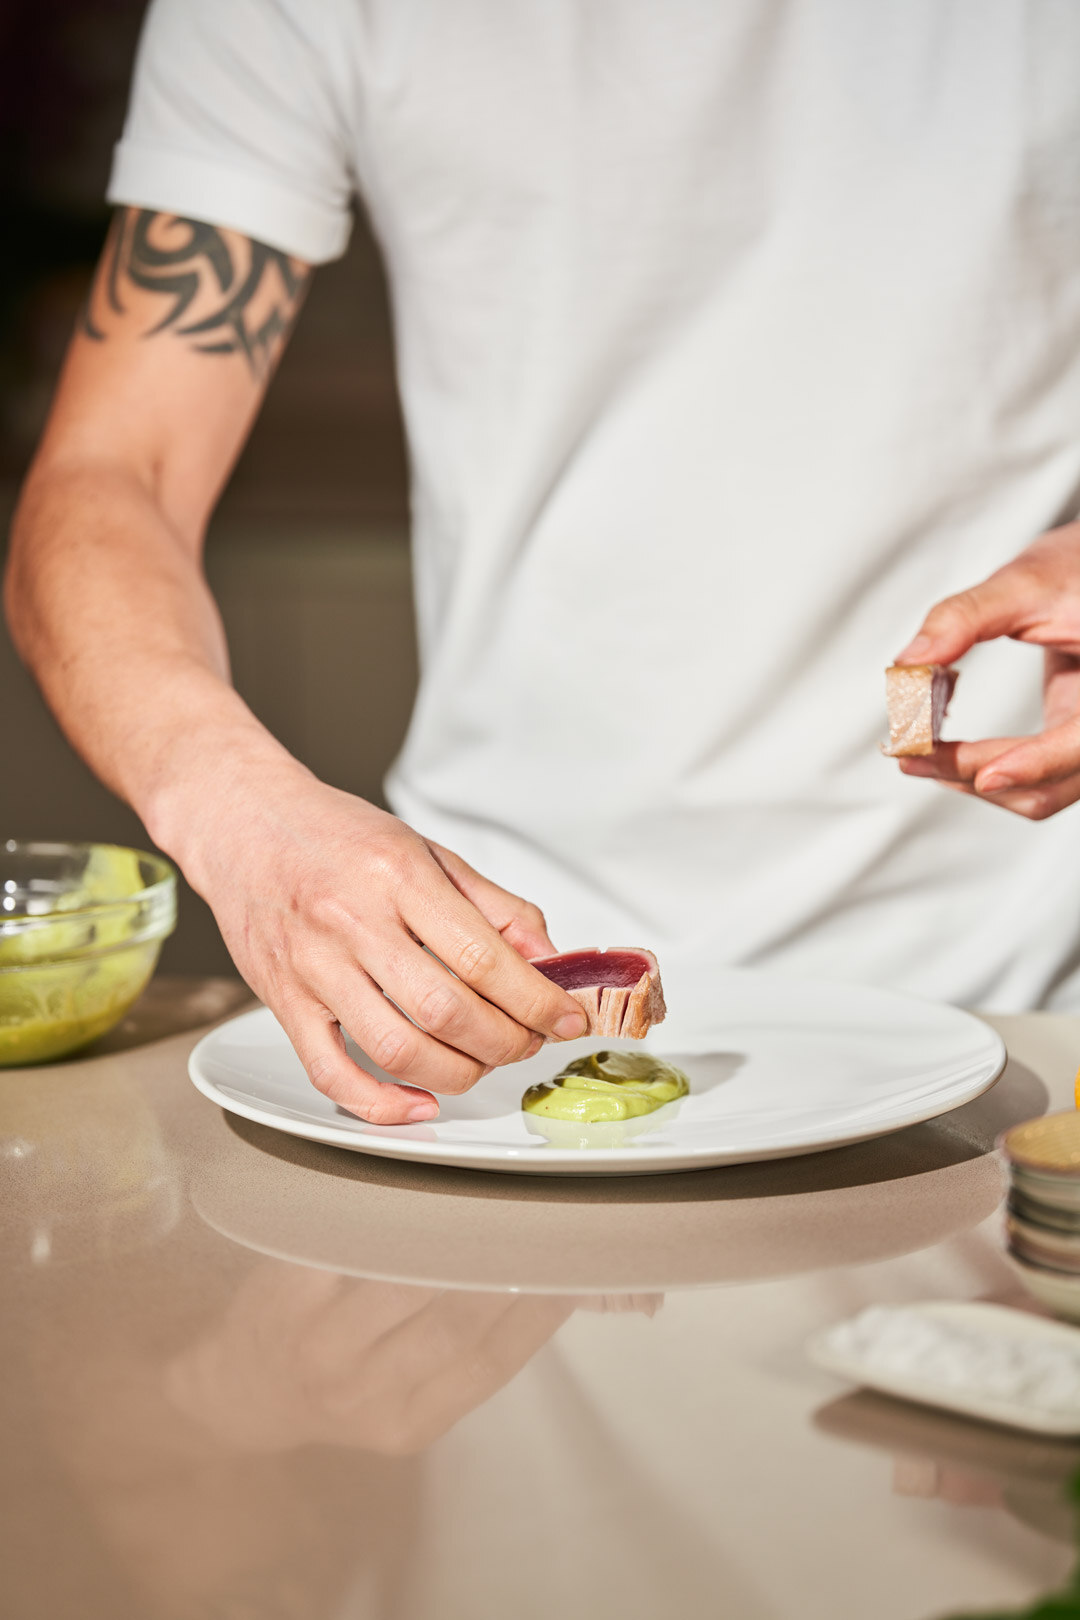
81,928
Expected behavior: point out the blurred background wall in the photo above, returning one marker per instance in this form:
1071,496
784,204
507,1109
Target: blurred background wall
308,553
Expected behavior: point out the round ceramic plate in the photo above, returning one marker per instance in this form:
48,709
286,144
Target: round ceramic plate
776,1067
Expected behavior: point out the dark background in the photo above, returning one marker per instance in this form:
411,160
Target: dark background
308,553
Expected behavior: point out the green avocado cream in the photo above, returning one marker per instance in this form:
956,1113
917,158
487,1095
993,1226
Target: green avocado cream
68,980
606,1086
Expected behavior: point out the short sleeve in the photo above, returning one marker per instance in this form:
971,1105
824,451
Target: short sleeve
232,120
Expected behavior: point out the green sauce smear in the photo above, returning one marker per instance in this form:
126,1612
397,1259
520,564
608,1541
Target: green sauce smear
607,1086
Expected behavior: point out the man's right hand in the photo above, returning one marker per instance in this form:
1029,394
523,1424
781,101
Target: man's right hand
336,913
340,917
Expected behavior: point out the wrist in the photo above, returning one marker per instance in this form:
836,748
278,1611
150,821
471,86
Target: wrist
213,779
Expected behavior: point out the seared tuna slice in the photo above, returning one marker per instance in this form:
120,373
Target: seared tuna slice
618,988
917,696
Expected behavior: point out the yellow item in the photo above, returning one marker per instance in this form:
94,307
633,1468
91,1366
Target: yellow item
1049,1143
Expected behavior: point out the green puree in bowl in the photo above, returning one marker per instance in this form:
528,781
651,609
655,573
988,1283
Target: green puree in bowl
76,974
57,1007
607,1085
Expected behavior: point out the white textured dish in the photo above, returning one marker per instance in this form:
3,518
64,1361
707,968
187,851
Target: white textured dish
997,1320
783,1066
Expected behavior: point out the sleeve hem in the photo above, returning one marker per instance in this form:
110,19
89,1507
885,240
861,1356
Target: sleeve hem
309,228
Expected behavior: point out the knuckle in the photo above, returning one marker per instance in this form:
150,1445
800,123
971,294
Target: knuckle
439,1009
459,1077
327,912
343,1084
325,1076
380,1112
382,863
291,1004
1026,571
544,1007
958,611
1028,802
476,959
519,1043
392,1048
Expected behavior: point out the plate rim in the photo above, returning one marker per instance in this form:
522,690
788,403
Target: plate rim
615,1161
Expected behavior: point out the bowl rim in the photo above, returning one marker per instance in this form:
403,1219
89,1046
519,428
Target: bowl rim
163,886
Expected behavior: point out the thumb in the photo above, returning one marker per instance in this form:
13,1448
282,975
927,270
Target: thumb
1003,605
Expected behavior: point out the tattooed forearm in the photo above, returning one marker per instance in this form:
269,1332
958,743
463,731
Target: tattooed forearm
221,292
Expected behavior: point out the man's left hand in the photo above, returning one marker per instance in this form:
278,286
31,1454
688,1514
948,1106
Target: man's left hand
1035,598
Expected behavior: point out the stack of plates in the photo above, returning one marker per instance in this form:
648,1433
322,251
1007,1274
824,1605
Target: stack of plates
1043,1157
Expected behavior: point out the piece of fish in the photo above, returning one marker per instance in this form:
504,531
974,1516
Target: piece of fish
619,988
916,696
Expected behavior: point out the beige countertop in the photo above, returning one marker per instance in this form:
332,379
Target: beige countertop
252,1378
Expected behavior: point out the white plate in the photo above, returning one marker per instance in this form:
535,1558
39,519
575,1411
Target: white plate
776,1066
998,1321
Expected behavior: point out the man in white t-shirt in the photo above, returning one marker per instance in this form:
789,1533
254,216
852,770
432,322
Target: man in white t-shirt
730,338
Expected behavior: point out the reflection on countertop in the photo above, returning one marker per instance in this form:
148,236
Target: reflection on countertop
375,1217
940,1456
958,1460
86,1172
260,1457
255,1377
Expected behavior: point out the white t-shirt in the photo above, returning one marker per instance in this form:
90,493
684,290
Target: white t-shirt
730,337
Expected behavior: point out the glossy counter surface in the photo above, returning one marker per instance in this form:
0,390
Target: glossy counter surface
247,1376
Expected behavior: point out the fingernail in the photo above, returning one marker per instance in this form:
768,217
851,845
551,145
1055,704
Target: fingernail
915,650
571,1025
534,1046
426,1110
993,782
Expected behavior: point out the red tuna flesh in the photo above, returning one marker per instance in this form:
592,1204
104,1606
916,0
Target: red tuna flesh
619,989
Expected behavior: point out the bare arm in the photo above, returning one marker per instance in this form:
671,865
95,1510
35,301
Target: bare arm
324,900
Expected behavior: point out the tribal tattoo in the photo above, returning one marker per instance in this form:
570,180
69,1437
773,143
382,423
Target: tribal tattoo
227,296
